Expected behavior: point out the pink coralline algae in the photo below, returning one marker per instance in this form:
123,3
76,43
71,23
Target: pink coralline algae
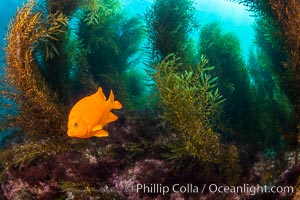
15,189
142,173
18,189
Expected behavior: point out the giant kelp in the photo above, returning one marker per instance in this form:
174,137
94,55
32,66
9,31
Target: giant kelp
274,74
36,102
67,7
114,42
95,11
271,108
223,51
281,23
286,14
95,49
169,23
98,11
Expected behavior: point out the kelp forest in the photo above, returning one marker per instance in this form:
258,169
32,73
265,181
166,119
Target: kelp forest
197,114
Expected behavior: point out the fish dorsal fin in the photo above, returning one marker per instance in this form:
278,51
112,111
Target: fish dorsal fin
101,94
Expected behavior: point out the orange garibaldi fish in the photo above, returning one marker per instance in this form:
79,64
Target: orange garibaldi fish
90,114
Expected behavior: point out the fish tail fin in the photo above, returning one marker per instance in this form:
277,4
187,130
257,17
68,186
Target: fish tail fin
117,105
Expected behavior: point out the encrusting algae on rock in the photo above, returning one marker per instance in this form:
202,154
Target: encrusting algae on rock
90,114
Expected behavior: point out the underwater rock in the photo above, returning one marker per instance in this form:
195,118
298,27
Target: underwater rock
289,176
105,169
56,175
20,189
83,171
146,172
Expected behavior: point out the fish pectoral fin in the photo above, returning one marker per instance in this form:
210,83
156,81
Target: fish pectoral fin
97,128
101,133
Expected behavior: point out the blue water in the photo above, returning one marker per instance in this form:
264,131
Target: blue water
7,10
232,16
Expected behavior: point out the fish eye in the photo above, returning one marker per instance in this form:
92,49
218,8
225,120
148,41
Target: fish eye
75,124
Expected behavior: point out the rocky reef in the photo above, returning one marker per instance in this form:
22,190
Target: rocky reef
131,157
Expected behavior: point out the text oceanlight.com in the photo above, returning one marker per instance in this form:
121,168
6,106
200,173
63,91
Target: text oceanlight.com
212,188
